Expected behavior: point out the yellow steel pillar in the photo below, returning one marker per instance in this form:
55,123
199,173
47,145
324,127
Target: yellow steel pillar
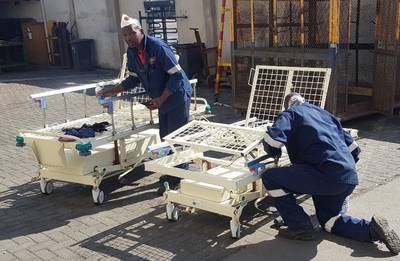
334,16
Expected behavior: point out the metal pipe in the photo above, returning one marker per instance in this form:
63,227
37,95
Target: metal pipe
151,117
275,11
84,103
252,21
195,96
302,39
357,37
271,24
44,118
346,96
290,23
116,151
253,45
117,14
72,7
65,107
219,51
46,29
164,25
132,115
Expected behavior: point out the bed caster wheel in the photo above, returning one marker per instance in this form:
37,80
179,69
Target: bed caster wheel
172,212
46,187
98,196
235,229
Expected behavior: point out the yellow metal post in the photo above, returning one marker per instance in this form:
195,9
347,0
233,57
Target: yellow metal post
398,23
302,23
219,51
275,15
232,21
334,15
252,21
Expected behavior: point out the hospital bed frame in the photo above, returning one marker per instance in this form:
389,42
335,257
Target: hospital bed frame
226,186
89,161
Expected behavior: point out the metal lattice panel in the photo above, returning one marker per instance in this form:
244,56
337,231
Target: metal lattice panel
272,83
217,137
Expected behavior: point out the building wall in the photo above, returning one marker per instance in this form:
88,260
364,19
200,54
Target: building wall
205,15
95,19
132,8
26,9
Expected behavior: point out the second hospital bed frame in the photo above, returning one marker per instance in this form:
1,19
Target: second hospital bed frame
225,186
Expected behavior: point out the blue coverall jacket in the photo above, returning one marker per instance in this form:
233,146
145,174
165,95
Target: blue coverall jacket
314,137
159,71
323,157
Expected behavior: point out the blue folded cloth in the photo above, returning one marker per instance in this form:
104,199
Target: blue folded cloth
87,130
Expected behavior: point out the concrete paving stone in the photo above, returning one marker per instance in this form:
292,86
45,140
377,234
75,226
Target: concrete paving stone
23,240
89,232
18,247
46,254
7,244
65,253
58,235
24,254
6,256
42,245
76,235
68,242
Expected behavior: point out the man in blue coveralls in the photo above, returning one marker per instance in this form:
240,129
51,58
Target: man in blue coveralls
323,158
153,63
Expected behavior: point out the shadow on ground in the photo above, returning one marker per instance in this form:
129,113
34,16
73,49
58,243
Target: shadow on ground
197,236
24,210
287,250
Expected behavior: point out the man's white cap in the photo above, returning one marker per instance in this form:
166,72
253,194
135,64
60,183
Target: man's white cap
126,21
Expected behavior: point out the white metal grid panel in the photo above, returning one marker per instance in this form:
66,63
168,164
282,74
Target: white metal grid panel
217,137
272,83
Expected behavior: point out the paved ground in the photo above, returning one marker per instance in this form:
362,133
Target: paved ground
131,224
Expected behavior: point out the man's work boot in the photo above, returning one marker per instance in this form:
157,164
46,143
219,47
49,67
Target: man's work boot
380,231
306,234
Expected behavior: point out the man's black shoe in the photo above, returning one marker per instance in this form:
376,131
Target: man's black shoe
381,231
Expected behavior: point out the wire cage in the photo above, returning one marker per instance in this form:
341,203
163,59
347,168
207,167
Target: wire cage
387,53
335,34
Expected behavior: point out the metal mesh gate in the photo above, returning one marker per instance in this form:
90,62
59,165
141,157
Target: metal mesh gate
311,33
272,83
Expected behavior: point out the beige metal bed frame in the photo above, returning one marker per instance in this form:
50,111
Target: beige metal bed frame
226,186
89,161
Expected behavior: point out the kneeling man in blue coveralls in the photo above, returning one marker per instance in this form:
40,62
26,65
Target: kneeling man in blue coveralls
323,158
153,63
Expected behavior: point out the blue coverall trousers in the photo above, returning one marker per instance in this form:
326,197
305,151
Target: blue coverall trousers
282,183
169,122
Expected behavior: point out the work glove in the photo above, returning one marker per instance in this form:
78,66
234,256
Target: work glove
275,153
